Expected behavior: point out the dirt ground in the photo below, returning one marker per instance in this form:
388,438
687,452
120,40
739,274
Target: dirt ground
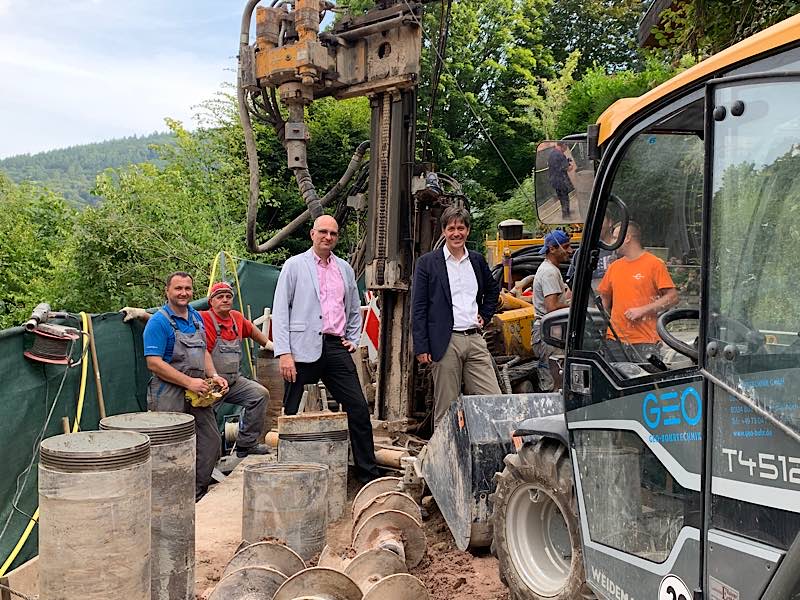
448,573
451,574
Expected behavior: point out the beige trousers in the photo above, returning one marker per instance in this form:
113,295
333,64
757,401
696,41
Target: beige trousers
466,361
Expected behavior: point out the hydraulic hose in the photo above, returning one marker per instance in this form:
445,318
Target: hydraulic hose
278,238
314,204
247,128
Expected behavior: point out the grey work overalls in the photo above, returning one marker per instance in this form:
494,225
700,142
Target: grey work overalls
188,357
244,392
227,354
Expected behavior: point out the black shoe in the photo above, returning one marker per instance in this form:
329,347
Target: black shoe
260,449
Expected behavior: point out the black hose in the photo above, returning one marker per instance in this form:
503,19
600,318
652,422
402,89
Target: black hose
278,238
247,128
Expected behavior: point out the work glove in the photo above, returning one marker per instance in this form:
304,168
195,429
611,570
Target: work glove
129,313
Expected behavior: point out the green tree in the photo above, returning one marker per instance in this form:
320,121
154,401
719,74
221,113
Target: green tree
546,100
603,31
495,52
71,171
179,213
34,224
598,90
704,27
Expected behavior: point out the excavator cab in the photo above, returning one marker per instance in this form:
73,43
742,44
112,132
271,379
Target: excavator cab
675,472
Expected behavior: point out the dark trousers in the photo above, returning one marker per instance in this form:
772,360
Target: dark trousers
253,398
337,371
563,198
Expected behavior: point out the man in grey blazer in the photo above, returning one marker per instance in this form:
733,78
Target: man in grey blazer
316,324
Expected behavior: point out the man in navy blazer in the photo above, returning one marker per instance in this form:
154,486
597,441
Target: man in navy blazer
453,296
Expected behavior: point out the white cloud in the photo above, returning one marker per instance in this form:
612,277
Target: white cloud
79,89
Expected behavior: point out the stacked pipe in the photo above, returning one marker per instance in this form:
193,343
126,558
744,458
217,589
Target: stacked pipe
387,540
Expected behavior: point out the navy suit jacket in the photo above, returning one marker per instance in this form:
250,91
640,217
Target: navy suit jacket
432,305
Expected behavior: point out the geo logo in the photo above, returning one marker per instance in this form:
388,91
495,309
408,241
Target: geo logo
669,408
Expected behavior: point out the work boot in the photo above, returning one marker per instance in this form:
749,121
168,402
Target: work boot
257,449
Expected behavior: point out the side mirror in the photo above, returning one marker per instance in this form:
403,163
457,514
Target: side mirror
554,327
563,181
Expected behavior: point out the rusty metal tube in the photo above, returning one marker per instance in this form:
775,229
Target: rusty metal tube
288,502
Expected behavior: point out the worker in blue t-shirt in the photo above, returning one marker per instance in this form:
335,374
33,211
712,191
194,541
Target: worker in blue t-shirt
176,354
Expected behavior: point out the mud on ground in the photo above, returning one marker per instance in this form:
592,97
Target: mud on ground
452,574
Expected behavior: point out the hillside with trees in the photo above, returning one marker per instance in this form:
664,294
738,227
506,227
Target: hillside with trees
71,172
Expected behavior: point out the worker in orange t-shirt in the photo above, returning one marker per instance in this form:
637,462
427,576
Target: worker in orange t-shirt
636,288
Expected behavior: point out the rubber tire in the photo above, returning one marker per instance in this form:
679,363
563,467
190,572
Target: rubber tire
546,465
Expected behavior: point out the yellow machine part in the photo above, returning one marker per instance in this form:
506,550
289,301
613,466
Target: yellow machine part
496,247
514,331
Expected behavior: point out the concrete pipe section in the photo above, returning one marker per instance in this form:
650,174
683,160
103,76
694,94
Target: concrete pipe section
286,501
319,437
172,451
94,500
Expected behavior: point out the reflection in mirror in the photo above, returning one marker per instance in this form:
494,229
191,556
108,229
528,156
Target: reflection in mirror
564,177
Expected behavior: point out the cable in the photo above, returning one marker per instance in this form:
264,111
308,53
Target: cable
444,30
464,96
14,593
84,371
33,519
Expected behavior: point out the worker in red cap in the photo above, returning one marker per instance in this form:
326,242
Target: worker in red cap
225,329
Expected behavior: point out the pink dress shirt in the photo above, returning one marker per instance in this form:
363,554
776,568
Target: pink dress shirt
331,296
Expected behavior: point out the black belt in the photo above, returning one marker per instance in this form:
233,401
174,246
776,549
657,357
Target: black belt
472,331
332,336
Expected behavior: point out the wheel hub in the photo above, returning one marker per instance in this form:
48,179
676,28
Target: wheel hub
538,540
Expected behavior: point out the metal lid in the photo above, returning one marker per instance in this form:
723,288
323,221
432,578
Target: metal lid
94,451
160,427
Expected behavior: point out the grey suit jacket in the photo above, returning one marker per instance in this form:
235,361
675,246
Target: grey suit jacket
296,309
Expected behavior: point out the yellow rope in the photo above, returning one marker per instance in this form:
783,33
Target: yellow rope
84,371
79,411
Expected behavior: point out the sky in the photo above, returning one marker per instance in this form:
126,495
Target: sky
80,71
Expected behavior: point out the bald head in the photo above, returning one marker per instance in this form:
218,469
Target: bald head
324,235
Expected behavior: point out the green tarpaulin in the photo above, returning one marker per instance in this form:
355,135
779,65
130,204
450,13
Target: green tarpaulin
31,388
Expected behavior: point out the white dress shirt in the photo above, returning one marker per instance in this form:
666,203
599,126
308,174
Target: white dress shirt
463,290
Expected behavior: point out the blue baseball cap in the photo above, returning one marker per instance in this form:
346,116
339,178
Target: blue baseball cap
554,238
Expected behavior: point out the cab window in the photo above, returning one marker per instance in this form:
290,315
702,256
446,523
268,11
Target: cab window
656,266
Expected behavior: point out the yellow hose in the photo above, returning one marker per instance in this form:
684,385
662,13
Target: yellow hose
84,371
81,395
20,543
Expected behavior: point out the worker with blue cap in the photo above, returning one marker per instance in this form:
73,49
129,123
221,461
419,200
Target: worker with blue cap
549,293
